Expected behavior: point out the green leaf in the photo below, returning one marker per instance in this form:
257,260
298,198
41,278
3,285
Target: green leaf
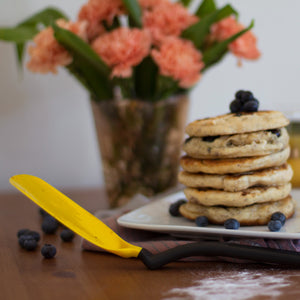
86,63
17,34
46,17
216,52
134,11
28,28
19,48
197,33
89,77
166,86
205,8
185,2
145,75
225,12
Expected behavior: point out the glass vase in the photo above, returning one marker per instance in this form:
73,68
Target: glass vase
140,145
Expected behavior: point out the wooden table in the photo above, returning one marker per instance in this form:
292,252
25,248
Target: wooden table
77,274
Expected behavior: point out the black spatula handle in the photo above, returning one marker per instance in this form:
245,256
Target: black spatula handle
257,254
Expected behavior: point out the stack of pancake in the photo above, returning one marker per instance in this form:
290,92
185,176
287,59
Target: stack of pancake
235,167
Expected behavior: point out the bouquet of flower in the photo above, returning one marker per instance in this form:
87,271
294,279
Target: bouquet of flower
141,49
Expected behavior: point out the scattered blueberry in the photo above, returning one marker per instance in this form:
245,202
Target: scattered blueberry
244,102
201,221
48,251
67,235
30,244
232,224
35,235
274,225
174,207
49,225
22,232
278,216
43,213
23,238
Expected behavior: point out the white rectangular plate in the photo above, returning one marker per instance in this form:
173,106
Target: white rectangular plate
155,217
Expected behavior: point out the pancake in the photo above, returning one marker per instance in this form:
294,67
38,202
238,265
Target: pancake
238,145
234,165
256,214
237,182
211,197
234,123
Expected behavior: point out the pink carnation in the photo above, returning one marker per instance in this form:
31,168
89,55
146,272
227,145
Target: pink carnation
180,60
166,19
97,11
122,49
244,46
47,54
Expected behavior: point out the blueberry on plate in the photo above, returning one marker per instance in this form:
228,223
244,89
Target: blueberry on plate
49,225
201,221
48,251
174,207
232,224
67,235
274,225
278,216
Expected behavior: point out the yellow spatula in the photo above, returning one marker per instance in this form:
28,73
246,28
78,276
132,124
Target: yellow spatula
95,231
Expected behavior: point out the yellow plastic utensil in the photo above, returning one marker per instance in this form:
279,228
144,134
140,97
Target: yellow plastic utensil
92,229
72,215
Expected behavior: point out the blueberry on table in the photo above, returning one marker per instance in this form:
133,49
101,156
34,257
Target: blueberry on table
48,251
174,207
278,216
23,232
274,225
49,225
201,221
35,235
232,224
43,213
67,235
24,238
30,244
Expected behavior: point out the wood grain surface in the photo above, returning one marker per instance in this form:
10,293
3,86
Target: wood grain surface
77,274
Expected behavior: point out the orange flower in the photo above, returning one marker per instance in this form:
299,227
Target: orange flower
96,11
150,3
166,19
179,59
244,46
47,54
122,49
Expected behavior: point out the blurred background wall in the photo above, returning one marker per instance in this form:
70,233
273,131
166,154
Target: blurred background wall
46,125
